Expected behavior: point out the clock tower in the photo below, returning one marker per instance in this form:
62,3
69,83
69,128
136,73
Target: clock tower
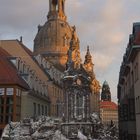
106,94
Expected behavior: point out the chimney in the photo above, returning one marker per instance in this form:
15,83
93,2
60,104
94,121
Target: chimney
21,39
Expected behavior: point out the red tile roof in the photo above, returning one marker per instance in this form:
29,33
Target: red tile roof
8,73
108,105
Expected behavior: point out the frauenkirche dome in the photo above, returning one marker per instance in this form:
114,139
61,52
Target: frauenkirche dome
53,38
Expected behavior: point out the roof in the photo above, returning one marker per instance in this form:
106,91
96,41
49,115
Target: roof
26,55
25,48
8,73
108,105
105,83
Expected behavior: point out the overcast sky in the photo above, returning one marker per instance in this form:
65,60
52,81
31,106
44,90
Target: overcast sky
104,25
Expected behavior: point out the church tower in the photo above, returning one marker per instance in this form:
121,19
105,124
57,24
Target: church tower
56,9
88,64
106,94
53,38
95,85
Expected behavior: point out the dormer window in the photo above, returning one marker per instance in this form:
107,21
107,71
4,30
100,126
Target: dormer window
13,60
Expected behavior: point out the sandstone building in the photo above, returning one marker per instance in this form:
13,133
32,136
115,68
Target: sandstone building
129,87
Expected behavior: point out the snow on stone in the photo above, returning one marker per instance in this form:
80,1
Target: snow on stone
81,136
46,128
59,136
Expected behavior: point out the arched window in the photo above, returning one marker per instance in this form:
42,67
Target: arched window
55,4
63,6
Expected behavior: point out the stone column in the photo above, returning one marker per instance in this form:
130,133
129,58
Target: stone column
75,108
83,107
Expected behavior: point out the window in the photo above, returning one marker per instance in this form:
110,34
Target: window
25,76
131,109
46,110
8,118
42,110
1,109
38,109
1,100
18,110
9,109
18,92
136,72
9,100
9,91
13,60
18,64
138,104
34,108
1,91
132,77
1,118
125,112
23,68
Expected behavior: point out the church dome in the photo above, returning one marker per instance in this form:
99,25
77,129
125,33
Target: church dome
53,38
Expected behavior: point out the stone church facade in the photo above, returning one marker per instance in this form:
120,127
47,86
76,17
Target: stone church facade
52,44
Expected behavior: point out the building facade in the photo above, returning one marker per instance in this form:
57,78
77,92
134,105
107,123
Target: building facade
128,88
108,109
11,89
109,113
23,84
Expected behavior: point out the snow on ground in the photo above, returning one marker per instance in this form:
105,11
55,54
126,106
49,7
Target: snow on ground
46,128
